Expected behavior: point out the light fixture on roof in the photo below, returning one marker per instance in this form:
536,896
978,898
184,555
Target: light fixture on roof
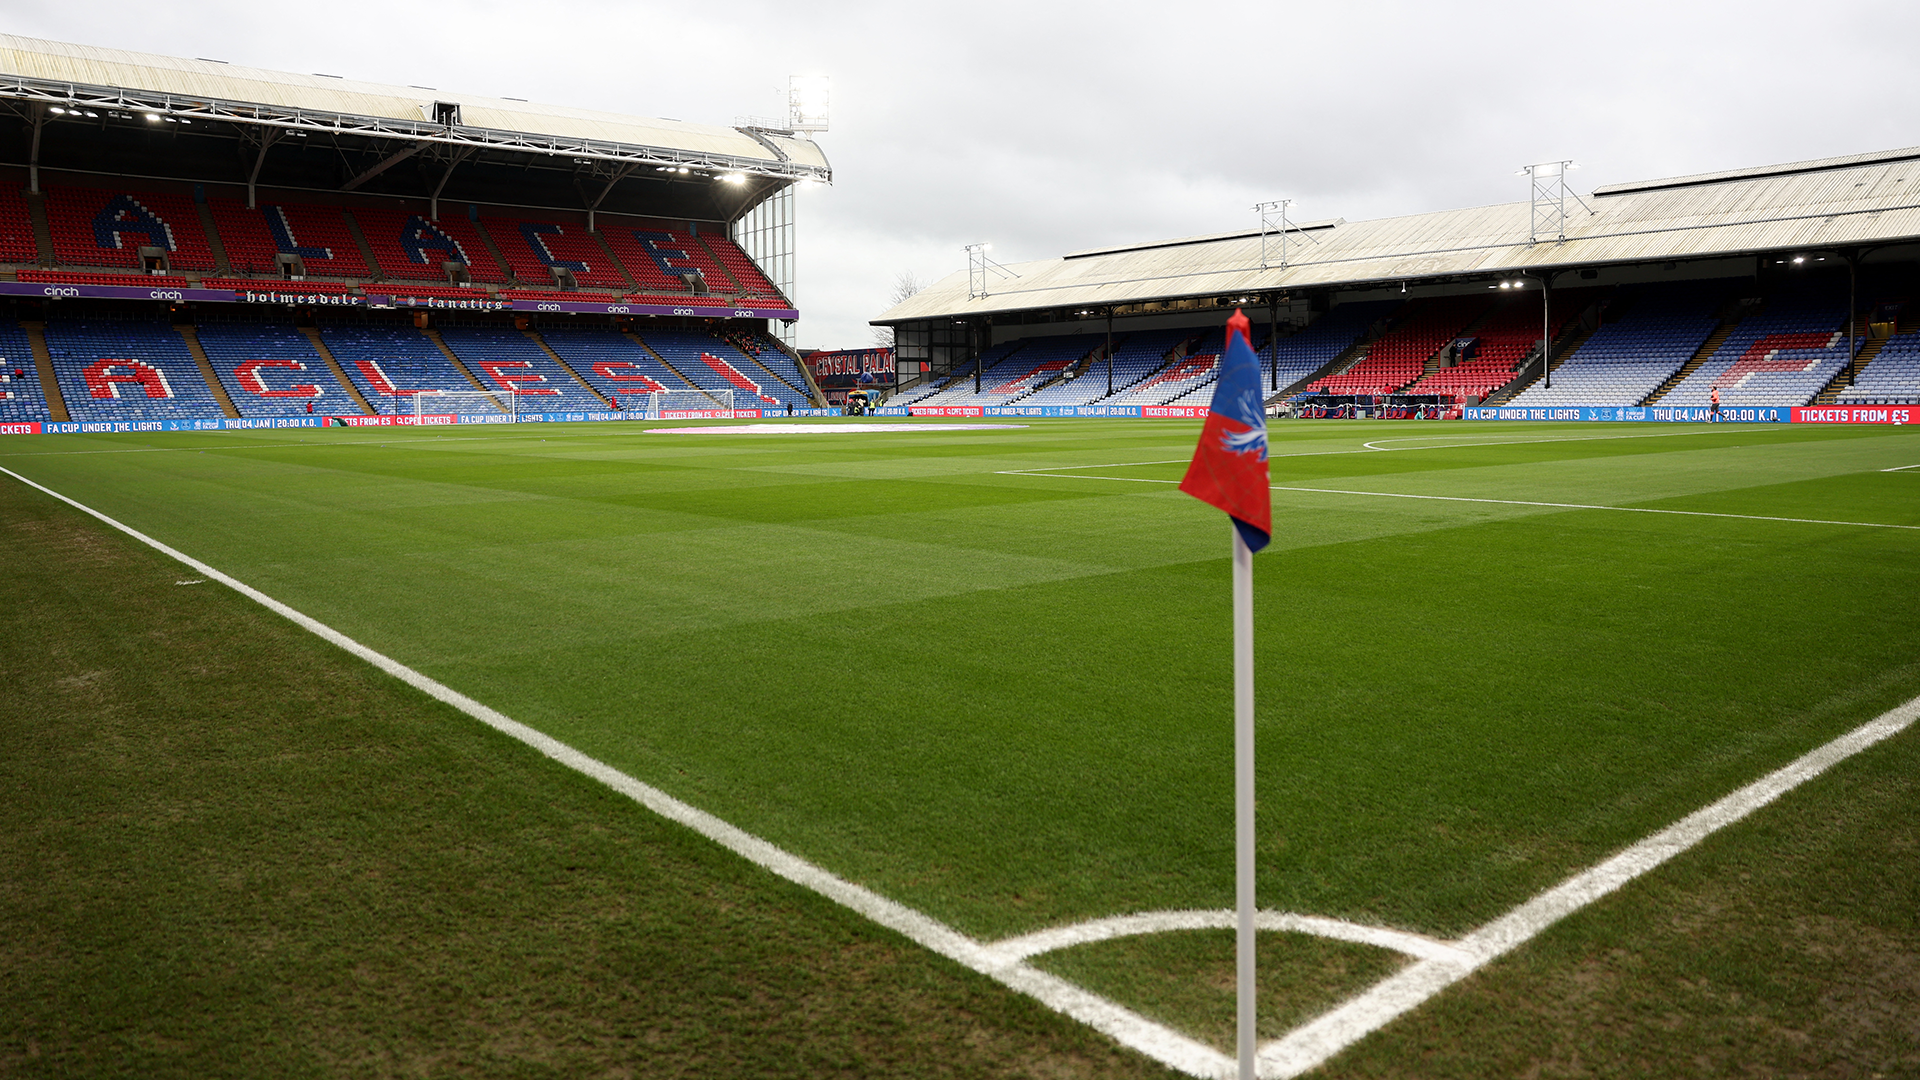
807,100
1798,259
93,114
733,178
153,117
683,170
58,111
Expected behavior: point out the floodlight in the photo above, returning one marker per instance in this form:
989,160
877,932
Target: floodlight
733,178
1798,259
807,100
58,111
153,118
93,114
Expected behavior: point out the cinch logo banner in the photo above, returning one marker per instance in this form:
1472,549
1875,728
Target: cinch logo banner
1856,414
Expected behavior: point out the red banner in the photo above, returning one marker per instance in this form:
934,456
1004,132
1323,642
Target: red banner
31,428
946,410
1856,414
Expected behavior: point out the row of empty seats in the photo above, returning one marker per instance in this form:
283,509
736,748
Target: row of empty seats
1891,378
1629,356
1782,356
94,227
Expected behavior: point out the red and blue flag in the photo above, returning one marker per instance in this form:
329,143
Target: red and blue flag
1229,468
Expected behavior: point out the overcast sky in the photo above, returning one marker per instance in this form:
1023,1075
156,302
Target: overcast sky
1046,127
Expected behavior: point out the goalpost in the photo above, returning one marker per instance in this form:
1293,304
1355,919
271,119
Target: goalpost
685,404
467,403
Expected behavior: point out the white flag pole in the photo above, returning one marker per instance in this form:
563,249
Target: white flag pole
1243,794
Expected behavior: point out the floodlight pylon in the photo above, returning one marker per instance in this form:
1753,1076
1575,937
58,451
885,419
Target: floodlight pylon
1274,224
1549,194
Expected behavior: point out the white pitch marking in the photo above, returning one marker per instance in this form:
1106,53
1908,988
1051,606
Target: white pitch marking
1901,468
195,581
1314,1042
1596,506
1497,502
1302,1049
1123,1025
1160,922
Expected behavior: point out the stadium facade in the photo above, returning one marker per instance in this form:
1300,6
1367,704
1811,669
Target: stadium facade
1778,287
186,239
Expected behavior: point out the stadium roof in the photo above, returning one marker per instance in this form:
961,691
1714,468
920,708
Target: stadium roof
57,72
1863,200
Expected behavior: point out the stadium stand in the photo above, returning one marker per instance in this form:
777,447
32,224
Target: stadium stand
96,227
254,240
753,283
17,244
131,368
1891,378
1039,361
656,258
1135,356
1401,354
534,249
1190,372
1628,358
1308,350
503,358
21,396
613,363
1782,356
713,364
958,390
1498,345
390,362
408,247
765,352
268,368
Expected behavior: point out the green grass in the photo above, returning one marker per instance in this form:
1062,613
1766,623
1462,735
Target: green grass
1003,699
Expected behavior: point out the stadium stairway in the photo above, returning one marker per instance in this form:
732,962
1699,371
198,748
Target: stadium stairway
192,337
459,365
535,337
1909,323
312,334
360,241
1870,347
1700,356
42,230
222,265
613,261
638,340
43,363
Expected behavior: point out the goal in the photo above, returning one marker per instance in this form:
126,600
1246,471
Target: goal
489,403
684,404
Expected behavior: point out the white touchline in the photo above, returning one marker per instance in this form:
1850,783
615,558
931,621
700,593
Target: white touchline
1901,468
1441,965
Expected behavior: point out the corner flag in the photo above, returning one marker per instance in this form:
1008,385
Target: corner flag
1229,468
1229,471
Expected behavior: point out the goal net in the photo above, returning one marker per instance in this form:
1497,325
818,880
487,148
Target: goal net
490,403
683,404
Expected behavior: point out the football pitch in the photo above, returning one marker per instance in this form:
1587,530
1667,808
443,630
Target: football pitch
980,676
